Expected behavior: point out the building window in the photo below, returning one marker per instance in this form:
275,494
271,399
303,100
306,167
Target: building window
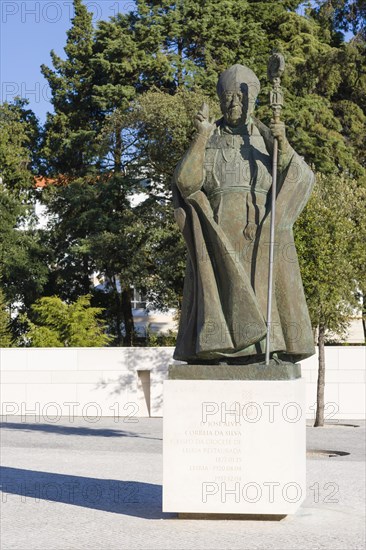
139,300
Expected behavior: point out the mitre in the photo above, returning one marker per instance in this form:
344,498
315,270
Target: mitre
238,78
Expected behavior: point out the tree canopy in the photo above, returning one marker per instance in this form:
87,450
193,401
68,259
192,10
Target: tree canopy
57,324
124,96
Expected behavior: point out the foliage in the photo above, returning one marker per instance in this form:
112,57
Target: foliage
19,138
5,332
162,339
329,235
346,15
70,131
165,128
124,101
328,240
58,324
23,257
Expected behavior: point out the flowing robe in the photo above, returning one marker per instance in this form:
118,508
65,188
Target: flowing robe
226,227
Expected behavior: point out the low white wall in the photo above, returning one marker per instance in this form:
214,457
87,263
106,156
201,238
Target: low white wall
82,381
345,369
95,382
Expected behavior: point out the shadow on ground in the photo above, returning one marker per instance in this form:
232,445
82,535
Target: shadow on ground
131,498
72,430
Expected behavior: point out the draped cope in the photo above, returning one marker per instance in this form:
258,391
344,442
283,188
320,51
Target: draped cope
226,227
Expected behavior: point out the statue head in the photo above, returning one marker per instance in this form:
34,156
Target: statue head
237,88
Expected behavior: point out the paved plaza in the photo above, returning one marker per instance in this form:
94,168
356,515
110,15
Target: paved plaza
78,484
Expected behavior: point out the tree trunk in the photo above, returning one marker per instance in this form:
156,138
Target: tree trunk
118,318
180,64
117,309
319,418
127,316
86,276
117,153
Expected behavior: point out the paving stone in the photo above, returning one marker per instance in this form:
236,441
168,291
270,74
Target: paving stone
75,485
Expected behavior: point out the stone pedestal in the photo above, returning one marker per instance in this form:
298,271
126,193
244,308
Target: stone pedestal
234,446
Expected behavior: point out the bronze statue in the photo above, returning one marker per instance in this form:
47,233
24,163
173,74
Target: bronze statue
222,198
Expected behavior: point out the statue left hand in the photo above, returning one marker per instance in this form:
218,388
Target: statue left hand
278,130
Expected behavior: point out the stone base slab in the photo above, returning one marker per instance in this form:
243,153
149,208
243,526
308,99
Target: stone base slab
242,517
234,447
254,371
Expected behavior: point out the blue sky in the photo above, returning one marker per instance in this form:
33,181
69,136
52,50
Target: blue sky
29,29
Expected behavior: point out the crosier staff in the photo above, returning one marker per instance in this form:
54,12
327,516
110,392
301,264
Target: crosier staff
275,68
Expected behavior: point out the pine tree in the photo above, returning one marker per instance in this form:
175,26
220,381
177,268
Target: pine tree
70,132
18,142
342,15
124,101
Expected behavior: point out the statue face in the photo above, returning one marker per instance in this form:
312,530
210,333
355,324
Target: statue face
236,107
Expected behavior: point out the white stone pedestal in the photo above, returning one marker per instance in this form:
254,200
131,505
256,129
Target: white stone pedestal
234,447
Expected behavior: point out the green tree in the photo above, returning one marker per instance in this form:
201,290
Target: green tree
124,101
358,216
343,15
19,142
5,332
70,131
328,241
164,125
23,257
200,39
91,217
57,324
94,228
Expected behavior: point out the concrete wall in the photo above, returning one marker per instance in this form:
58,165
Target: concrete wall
94,382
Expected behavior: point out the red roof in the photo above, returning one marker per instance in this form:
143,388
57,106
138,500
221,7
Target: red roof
42,181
